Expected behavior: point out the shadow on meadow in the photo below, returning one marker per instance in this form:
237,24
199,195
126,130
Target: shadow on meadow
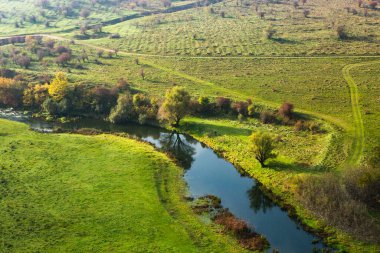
203,129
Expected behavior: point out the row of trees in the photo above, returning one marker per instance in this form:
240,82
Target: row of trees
121,104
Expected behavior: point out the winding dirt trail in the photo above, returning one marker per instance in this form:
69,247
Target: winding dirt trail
359,140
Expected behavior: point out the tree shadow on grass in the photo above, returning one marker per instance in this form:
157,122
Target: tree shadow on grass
215,130
295,167
285,41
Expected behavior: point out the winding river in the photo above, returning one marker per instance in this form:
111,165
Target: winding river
206,173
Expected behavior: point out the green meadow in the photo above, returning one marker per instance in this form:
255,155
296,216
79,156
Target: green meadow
70,193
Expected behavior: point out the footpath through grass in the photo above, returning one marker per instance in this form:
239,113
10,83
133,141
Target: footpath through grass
73,193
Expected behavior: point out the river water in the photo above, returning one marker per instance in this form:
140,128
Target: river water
206,173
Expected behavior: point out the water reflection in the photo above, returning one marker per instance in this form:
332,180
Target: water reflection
259,201
179,146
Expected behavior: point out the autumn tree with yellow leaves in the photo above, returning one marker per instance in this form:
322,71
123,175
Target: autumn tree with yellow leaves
58,87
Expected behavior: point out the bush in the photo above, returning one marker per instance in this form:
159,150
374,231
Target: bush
7,73
267,117
240,107
341,32
115,36
299,126
123,111
102,99
10,92
363,184
286,110
326,197
373,4
223,104
269,33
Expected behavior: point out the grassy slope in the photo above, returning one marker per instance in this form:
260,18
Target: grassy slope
66,193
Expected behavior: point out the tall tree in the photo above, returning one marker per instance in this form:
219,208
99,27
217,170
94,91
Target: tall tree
262,146
175,106
58,87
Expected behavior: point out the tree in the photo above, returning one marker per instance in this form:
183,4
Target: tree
373,5
58,87
262,146
123,111
286,110
175,106
85,13
341,32
306,13
24,61
63,59
270,32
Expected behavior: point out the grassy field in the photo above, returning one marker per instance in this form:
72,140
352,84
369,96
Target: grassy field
241,32
70,193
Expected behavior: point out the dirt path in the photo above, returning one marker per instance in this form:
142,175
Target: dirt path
359,141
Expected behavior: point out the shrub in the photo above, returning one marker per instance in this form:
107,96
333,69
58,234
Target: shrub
63,59
306,13
267,117
269,33
35,95
7,73
115,36
363,184
327,198
341,32
24,61
224,104
373,4
85,13
299,126
62,49
10,92
286,110
102,99
240,107
251,110
123,111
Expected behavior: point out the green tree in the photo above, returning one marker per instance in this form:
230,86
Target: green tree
175,106
262,146
58,87
123,111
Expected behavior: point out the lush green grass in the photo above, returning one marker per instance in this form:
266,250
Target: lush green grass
198,32
72,193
